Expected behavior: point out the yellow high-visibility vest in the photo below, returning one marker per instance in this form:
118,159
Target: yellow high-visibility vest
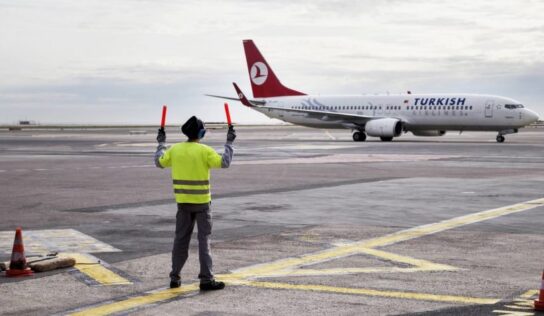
191,163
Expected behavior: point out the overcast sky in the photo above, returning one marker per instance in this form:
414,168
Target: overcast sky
118,61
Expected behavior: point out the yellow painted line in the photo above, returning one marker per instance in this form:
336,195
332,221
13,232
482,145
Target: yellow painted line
419,265
240,276
452,223
524,302
90,266
341,271
529,294
513,313
357,247
134,302
369,292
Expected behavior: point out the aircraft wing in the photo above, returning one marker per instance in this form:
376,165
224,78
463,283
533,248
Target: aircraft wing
327,115
349,120
246,102
222,97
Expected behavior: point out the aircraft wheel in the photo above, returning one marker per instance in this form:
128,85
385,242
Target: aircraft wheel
359,136
386,139
500,139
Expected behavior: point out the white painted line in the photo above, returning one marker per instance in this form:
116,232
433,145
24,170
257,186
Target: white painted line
59,240
329,135
344,158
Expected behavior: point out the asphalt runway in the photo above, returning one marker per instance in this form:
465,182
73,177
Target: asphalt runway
306,222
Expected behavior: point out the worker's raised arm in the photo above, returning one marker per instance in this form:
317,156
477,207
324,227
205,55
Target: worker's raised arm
226,158
162,158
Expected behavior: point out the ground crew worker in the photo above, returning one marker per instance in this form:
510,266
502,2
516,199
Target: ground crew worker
191,162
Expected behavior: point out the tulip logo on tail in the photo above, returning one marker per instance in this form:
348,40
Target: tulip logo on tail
259,73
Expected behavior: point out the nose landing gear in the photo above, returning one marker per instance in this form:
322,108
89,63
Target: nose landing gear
500,137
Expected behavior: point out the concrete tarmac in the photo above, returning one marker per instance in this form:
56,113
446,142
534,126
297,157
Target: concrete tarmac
306,222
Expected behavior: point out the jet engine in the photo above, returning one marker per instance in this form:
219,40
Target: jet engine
385,127
429,133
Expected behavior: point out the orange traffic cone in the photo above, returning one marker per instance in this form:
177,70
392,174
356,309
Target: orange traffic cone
17,265
539,303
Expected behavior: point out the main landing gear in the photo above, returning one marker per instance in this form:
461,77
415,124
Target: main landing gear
386,139
500,139
359,136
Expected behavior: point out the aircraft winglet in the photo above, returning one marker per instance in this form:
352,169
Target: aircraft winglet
242,97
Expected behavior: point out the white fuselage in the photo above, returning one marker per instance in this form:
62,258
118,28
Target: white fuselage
443,112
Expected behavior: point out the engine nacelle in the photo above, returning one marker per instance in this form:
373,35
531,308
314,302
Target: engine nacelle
429,133
385,127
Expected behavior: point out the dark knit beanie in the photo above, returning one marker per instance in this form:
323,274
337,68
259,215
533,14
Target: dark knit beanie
192,127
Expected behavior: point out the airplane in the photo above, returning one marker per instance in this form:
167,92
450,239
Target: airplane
383,116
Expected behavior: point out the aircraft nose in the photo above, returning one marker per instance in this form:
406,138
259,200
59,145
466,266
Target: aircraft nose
532,116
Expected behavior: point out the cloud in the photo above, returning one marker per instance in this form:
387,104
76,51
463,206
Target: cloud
118,60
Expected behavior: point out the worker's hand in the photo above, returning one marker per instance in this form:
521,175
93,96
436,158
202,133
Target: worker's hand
231,134
161,136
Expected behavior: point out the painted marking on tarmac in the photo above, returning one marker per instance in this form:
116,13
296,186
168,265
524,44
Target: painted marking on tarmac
78,168
68,242
39,242
330,135
96,270
138,301
246,276
418,265
404,235
369,292
345,158
520,306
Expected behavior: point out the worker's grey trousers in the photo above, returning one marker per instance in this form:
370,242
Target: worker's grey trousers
185,222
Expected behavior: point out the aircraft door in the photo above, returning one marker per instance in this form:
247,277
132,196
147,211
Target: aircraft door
489,108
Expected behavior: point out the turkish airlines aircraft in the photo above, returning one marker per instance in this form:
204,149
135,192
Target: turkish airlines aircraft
384,116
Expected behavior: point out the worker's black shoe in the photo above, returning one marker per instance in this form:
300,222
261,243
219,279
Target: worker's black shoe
211,285
175,284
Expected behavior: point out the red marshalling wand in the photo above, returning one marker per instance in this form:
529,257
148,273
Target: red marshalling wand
229,122
163,120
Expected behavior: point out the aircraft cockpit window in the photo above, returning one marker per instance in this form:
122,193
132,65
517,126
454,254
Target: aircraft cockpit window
513,106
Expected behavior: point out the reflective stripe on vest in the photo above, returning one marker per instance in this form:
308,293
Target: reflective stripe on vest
192,191
185,191
192,182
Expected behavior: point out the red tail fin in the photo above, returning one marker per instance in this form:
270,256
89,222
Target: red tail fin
264,82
